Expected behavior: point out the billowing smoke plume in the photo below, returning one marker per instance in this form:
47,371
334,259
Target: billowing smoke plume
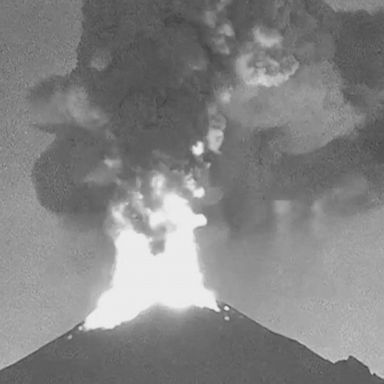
310,109
238,95
301,139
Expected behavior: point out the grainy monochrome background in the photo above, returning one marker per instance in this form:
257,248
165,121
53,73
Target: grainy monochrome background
324,288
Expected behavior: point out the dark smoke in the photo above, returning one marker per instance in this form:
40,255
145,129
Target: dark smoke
148,70
340,168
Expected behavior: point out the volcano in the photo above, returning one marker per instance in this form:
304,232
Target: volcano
189,346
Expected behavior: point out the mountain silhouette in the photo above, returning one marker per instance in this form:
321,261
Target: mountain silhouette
184,347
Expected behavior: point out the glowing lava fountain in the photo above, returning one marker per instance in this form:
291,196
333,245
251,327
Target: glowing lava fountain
142,278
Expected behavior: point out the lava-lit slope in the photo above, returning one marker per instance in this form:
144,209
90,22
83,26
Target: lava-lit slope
193,346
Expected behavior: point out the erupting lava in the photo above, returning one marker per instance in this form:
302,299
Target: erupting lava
142,278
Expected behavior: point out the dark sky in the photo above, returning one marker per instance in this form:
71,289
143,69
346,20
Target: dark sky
323,287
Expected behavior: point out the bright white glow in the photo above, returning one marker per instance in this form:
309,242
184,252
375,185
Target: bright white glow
199,193
215,139
198,149
141,279
190,184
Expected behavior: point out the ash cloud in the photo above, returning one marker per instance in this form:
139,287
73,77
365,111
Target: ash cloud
315,140
310,108
286,95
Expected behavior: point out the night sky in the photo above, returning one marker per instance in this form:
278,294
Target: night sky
321,285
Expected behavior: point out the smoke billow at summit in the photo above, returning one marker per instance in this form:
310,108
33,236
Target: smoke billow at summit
208,108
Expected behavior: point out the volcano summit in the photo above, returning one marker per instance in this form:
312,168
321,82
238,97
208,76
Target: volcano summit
187,347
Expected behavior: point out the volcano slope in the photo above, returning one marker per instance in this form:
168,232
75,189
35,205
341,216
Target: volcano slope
191,346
